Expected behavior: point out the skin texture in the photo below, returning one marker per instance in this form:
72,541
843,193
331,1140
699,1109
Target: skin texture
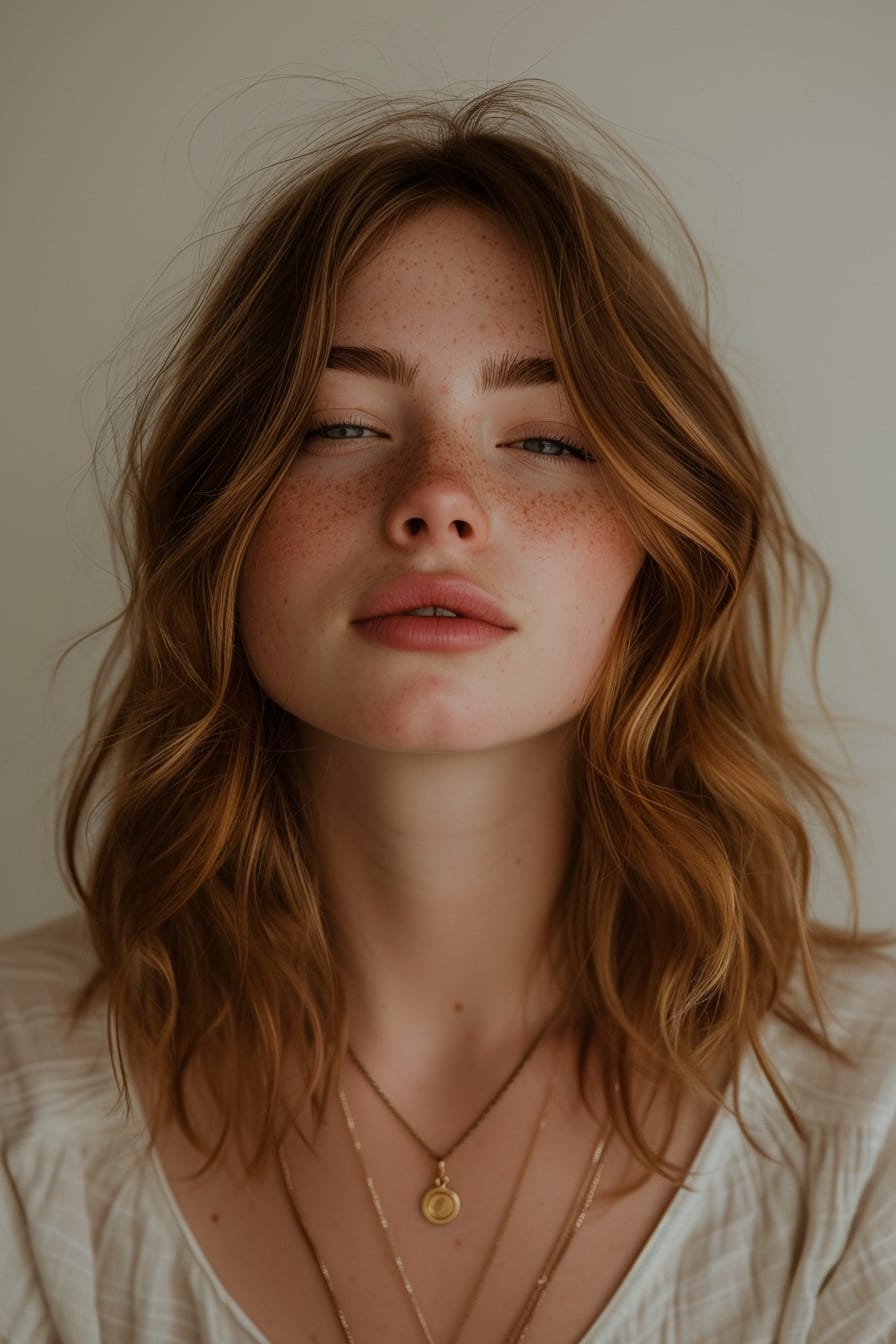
437,784
438,778
540,533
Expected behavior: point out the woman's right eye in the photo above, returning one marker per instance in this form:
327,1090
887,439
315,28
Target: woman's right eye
323,429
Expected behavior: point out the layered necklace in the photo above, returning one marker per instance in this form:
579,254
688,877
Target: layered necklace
441,1205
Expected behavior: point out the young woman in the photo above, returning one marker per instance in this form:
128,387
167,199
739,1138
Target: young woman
438,823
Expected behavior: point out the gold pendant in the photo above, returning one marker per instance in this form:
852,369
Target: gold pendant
438,1204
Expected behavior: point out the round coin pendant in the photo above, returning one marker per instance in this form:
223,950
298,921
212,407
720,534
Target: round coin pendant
440,1205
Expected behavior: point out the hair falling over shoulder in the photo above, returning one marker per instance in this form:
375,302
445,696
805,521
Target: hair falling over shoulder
685,911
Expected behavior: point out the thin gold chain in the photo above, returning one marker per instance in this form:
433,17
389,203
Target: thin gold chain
496,1241
324,1272
384,1222
520,1328
511,1077
574,1221
502,1226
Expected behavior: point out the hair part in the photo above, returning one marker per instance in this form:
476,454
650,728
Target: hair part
685,912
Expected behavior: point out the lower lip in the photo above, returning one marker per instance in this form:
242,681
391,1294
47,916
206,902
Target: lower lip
431,634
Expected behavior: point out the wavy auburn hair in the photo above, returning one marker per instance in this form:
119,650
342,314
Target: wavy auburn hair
685,906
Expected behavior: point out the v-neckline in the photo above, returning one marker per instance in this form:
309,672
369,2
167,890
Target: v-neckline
681,1208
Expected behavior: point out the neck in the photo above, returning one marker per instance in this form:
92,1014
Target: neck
440,873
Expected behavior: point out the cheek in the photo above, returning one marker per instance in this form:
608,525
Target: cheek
298,528
605,566
301,532
287,550
591,556
602,568
612,559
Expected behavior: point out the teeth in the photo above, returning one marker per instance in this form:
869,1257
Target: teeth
431,611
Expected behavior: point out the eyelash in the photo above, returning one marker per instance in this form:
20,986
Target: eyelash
577,453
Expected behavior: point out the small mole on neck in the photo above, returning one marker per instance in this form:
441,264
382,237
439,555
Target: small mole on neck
458,1007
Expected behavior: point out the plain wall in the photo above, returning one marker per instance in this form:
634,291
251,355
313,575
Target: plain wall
771,125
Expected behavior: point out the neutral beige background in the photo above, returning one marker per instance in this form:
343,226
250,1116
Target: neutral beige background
771,124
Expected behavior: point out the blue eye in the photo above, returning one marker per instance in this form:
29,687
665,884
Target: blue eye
561,443
321,430
565,449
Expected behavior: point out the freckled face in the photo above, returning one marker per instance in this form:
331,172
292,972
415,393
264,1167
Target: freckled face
445,479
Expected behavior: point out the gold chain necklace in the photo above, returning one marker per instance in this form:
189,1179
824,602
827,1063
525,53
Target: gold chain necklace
575,1218
496,1241
311,1244
439,1204
480,1280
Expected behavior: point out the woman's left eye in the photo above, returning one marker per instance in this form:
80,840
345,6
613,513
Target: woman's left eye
560,445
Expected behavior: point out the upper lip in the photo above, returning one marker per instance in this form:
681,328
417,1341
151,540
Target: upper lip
410,591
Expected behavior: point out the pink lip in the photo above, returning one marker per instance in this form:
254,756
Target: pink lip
404,594
431,634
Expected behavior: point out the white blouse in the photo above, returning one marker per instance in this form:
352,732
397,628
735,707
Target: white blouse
93,1249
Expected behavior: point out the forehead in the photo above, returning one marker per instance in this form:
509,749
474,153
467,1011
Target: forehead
451,268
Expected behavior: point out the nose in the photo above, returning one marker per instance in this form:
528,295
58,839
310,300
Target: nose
438,506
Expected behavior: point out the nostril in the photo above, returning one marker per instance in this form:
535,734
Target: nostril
416,525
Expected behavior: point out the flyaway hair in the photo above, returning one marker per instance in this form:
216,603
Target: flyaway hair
184,833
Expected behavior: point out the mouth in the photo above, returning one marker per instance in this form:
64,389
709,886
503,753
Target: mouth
430,629
435,597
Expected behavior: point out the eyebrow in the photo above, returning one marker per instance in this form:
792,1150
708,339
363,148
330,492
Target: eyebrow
495,374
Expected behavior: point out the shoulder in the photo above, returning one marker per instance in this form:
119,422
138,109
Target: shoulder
858,995
42,973
795,1230
91,1246
54,1067
59,949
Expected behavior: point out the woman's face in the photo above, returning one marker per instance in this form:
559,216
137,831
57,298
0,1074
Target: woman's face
448,478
